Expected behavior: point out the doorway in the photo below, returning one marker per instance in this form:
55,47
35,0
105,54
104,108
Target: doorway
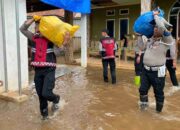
123,27
110,25
174,19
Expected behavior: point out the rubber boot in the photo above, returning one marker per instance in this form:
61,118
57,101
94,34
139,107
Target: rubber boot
106,79
55,105
114,81
159,107
44,114
143,102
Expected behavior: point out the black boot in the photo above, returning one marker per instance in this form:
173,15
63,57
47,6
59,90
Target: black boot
44,114
113,81
105,80
143,102
159,107
57,99
55,105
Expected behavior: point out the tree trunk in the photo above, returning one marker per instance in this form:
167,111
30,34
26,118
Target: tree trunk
69,57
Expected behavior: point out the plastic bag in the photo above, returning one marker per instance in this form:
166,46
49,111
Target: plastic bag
81,6
145,23
137,81
54,29
36,17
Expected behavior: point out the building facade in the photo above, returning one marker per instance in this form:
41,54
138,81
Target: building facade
119,19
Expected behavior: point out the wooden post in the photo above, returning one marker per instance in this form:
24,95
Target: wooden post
69,57
145,6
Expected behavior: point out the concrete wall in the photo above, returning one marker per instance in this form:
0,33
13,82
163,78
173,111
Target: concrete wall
2,73
23,46
13,46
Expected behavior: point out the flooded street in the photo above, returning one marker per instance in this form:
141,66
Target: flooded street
87,103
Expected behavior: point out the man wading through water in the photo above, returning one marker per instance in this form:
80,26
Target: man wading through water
154,65
107,48
44,63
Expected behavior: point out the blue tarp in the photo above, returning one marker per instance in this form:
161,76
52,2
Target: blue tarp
145,23
80,6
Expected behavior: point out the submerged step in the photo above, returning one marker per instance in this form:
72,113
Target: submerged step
14,97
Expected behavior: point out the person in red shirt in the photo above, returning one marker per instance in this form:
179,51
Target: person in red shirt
43,61
107,48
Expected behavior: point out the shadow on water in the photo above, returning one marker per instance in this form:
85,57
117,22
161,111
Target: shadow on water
87,103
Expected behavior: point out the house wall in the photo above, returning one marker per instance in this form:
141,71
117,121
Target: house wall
166,6
98,20
98,17
13,46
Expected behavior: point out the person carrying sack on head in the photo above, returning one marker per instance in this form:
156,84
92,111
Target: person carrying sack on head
154,65
44,63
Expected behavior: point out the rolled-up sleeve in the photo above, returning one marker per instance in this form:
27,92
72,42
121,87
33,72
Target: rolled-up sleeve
159,23
26,32
168,39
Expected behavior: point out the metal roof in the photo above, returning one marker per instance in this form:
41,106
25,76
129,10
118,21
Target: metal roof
37,5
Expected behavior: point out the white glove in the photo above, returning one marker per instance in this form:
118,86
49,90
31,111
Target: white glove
144,38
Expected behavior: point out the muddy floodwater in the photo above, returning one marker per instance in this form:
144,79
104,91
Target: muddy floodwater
87,103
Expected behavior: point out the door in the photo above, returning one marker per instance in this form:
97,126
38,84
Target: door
110,27
178,26
123,24
173,21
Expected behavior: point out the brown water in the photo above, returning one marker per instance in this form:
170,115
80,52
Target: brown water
87,103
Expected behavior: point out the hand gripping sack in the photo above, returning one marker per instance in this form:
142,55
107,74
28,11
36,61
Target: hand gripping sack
144,24
54,29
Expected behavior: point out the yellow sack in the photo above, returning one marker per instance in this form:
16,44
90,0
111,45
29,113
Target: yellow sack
54,29
36,17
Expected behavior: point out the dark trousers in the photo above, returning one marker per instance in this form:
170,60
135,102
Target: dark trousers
138,67
172,72
149,78
112,65
44,82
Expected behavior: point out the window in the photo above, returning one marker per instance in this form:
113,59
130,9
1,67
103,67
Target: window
110,12
123,11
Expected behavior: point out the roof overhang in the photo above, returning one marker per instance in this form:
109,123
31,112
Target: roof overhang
98,4
127,2
37,5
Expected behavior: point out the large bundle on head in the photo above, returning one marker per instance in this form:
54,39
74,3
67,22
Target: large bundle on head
54,29
145,23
